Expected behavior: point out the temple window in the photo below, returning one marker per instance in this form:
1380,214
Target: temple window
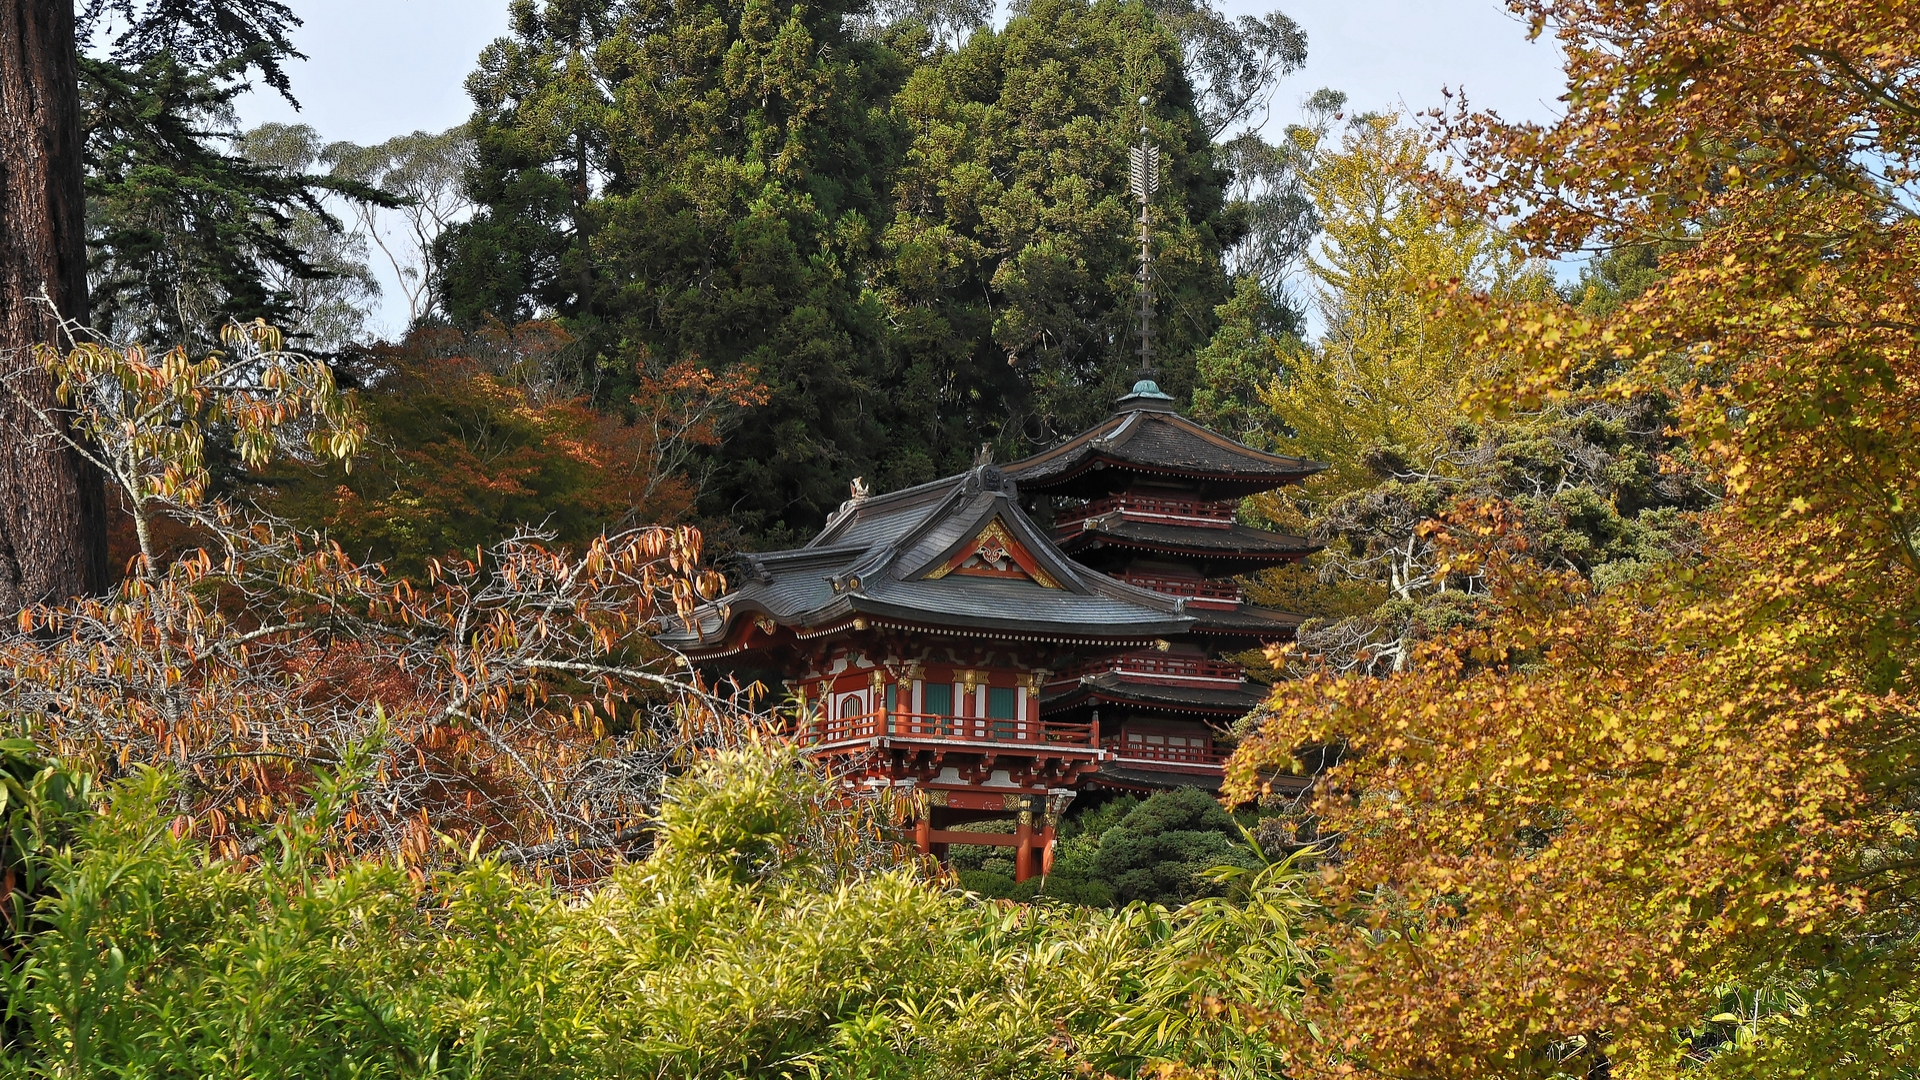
1002,703
939,699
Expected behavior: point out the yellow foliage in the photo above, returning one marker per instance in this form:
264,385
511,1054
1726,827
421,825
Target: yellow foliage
1389,368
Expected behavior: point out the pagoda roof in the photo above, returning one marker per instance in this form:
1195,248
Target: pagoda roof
957,555
1147,440
1114,687
1237,544
1262,622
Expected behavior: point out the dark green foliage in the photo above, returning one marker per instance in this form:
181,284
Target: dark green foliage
995,881
1122,849
918,247
1013,246
198,33
41,804
697,181
1159,851
1615,277
1241,360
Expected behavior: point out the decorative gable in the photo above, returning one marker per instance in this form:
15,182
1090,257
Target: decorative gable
994,553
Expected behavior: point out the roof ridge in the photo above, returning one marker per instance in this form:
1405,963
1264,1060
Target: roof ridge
1219,439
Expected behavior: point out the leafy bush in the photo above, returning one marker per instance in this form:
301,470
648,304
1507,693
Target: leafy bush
748,944
1157,850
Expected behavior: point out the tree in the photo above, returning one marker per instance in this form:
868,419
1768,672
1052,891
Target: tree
1386,372
1012,262
53,525
1593,484
514,693
876,208
1575,837
428,174
469,441
197,221
721,212
332,294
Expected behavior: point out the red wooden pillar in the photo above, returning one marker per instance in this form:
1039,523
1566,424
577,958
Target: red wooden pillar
1023,842
1046,850
923,832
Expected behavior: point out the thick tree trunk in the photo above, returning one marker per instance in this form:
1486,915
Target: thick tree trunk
52,501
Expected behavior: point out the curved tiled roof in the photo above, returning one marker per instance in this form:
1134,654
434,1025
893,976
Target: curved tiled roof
1235,542
885,558
1262,622
1109,686
1153,441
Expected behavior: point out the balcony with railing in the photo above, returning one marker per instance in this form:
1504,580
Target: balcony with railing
1161,669
1200,591
1165,509
1146,751
1004,734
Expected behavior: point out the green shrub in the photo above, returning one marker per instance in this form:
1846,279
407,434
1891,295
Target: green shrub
745,946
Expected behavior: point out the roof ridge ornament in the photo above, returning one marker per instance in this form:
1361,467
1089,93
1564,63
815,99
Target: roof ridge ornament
1146,394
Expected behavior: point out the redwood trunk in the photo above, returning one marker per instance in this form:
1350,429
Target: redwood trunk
52,501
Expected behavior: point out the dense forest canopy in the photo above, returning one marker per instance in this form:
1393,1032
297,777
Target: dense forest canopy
915,245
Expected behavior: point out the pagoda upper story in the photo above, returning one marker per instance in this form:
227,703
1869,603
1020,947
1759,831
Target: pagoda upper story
1150,498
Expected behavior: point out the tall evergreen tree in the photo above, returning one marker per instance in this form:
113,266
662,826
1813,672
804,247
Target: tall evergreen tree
1012,255
696,180
918,235
52,503
111,166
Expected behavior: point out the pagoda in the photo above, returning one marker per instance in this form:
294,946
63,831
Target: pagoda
916,636
1148,497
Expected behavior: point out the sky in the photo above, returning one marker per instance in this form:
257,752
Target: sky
380,68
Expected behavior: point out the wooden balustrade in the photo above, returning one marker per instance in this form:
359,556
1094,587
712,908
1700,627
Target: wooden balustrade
1172,509
1198,588
980,729
1159,665
1181,755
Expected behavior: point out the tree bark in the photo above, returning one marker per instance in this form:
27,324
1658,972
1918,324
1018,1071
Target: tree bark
52,500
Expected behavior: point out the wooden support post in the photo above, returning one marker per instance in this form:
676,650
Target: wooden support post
1023,842
1046,850
923,832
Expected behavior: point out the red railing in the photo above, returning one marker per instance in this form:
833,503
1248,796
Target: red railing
1199,588
1207,515
1159,666
980,729
1128,750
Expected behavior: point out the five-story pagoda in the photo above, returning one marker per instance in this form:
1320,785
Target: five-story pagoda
1149,498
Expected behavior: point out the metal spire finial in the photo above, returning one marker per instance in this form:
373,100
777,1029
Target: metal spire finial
1143,176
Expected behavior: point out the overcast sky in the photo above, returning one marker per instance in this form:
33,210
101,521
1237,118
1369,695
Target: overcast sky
379,68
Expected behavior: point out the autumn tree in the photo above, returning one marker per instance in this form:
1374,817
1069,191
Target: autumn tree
1668,825
1383,395
474,435
510,692
1385,372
